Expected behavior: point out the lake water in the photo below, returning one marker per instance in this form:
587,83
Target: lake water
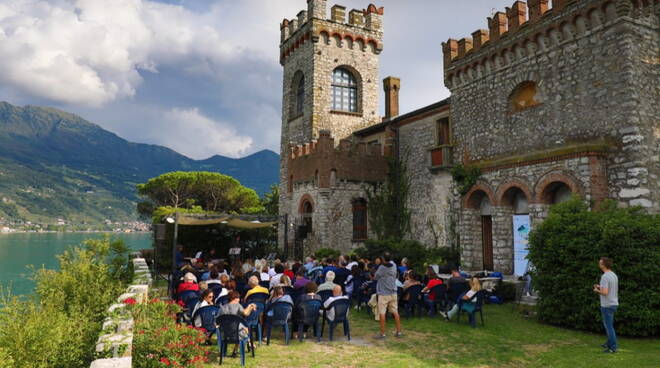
19,250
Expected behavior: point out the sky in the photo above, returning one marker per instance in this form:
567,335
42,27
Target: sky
200,76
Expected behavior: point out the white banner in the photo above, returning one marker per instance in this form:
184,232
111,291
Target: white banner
521,228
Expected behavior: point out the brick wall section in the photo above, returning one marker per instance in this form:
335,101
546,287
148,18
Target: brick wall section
352,162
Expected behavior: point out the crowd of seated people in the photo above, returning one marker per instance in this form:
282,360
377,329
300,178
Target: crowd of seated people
232,285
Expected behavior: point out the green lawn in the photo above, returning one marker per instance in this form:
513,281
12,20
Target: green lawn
507,340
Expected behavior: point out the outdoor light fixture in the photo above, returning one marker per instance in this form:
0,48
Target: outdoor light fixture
169,220
256,222
224,222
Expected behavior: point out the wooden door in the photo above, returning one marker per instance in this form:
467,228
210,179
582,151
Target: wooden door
487,241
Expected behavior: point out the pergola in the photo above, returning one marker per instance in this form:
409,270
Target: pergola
244,222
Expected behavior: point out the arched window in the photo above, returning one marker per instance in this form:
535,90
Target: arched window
360,220
344,91
298,94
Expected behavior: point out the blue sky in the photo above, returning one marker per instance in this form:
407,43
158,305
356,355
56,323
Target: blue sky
199,76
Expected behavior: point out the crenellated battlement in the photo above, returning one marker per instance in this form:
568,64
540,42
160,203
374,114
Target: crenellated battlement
363,30
529,28
322,162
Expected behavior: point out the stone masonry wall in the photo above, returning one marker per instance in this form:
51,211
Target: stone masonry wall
430,192
592,62
316,46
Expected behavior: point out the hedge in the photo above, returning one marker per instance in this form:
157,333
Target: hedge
565,250
419,256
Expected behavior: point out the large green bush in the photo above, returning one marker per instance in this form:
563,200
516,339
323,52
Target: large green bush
566,248
59,325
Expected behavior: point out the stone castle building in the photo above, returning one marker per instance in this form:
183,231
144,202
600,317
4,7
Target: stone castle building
547,102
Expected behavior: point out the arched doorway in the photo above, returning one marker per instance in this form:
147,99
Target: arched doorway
557,192
515,209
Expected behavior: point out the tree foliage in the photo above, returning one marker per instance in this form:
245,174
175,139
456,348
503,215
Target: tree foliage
271,201
59,326
212,192
389,216
565,250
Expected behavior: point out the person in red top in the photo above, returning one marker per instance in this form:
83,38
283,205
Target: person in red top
289,272
434,281
189,283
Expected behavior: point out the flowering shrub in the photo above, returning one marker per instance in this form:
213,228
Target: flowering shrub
159,341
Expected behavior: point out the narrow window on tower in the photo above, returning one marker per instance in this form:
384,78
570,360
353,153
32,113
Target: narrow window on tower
444,137
344,91
297,94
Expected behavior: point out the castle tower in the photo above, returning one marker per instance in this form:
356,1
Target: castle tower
330,85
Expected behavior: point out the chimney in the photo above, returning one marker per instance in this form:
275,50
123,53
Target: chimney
392,85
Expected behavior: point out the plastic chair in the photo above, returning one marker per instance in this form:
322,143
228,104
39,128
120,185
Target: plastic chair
478,300
208,316
216,288
341,307
414,300
229,326
456,290
221,300
281,317
308,315
288,290
265,284
257,298
325,295
440,295
254,319
190,299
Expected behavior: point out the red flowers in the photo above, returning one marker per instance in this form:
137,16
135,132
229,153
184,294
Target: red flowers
130,301
165,361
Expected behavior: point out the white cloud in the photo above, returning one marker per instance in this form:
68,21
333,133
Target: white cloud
90,52
189,132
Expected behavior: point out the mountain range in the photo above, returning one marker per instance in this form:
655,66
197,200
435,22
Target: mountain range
54,164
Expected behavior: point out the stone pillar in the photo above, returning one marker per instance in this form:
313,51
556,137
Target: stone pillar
316,8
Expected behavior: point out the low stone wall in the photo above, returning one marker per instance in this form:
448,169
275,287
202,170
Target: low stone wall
114,346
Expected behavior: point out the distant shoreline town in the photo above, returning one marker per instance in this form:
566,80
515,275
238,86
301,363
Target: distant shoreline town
62,226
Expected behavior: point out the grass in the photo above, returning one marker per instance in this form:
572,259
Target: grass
507,340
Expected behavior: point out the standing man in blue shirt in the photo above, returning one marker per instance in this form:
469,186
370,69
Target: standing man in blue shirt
608,290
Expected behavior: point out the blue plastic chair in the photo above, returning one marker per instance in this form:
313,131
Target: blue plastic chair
281,317
308,315
257,298
365,294
208,317
221,300
265,284
254,319
216,288
190,299
325,295
414,300
229,333
478,300
341,307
